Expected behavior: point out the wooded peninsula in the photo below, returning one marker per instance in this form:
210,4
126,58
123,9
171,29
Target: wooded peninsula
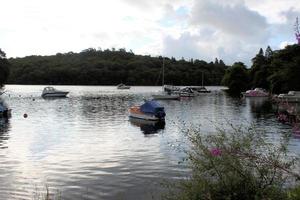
277,71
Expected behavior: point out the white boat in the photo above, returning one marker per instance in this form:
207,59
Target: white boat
187,92
291,96
150,110
200,89
122,86
257,92
171,88
52,92
165,95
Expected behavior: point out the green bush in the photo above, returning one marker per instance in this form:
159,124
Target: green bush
238,164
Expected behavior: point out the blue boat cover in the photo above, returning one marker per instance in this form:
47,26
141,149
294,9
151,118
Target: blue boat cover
151,107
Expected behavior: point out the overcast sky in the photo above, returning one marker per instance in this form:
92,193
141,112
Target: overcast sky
201,29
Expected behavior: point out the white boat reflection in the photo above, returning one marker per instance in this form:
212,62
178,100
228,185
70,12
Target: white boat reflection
148,127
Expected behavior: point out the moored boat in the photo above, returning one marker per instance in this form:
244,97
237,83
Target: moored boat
123,86
187,92
257,92
171,88
291,96
150,110
52,92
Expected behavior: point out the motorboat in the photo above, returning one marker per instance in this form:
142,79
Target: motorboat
187,92
171,88
150,110
52,92
5,111
122,86
291,96
257,92
200,89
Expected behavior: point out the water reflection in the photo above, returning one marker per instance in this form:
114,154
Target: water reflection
260,105
4,128
148,127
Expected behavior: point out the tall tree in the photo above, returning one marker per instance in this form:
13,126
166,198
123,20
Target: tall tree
268,53
236,78
4,68
259,70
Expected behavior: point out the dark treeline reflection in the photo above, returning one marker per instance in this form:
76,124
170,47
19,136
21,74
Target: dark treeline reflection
110,67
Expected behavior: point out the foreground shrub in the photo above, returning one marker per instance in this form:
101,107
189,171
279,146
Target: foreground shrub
238,164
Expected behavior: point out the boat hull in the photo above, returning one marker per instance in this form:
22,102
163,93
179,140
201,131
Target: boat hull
166,97
57,94
135,112
124,88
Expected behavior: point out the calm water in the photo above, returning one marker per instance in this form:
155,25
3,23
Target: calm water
86,147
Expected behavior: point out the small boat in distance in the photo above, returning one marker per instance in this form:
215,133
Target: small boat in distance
52,92
291,96
200,89
122,86
171,88
165,95
150,110
257,92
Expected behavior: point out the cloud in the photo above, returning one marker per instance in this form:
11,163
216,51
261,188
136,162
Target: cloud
234,19
230,30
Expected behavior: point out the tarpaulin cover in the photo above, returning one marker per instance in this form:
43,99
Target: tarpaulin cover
151,107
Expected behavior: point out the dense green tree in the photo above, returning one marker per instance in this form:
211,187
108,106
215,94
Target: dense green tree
268,53
285,70
4,68
259,71
236,78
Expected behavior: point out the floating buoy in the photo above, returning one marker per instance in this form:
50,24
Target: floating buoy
33,99
25,115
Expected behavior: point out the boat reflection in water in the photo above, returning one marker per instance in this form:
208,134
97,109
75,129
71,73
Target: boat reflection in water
148,127
4,128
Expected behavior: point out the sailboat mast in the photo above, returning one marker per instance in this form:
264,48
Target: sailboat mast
163,73
202,78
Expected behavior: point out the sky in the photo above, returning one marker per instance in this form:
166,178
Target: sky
232,30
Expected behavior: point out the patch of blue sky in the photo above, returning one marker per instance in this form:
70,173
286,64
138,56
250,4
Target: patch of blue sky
182,11
140,42
128,18
178,18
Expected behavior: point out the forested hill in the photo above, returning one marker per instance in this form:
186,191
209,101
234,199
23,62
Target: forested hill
111,67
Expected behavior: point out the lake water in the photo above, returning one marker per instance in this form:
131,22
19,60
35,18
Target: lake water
85,146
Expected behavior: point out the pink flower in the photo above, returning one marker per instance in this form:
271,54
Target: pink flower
215,151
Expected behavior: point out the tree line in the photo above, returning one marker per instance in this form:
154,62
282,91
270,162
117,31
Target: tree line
111,67
4,68
277,71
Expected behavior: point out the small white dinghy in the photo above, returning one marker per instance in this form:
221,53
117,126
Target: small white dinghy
123,87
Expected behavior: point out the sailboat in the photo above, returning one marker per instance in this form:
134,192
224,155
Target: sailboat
201,89
165,96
